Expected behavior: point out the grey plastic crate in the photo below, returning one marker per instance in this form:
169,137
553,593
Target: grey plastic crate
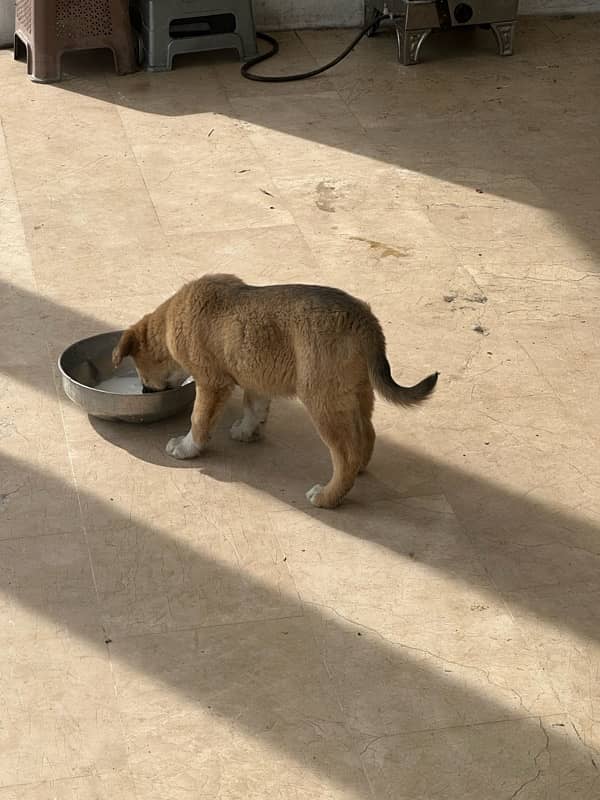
168,28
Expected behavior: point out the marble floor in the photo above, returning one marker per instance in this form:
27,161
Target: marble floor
194,631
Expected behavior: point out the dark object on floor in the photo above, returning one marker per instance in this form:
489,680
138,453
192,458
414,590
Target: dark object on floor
300,76
46,29
415,19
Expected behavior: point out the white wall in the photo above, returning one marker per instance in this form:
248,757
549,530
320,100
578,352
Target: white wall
558,6
285,14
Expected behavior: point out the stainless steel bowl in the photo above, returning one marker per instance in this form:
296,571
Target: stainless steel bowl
88,363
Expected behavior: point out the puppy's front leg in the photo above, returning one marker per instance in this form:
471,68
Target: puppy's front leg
207,407
183,446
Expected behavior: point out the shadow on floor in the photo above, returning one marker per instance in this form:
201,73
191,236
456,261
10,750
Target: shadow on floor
500,523
520,542
456,142
518,128
412,685
282,697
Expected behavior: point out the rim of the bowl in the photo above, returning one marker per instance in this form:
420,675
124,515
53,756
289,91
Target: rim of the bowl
70,378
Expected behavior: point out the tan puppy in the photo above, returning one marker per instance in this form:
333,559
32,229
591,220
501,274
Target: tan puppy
316,343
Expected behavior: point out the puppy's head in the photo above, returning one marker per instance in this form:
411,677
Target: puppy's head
156,369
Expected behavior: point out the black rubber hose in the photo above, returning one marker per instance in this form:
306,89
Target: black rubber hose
300,76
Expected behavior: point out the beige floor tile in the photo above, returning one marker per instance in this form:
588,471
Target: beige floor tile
387,687
164,555
387,96
410,278
14,258
69,319
193,88
544,314
111,786
151,582
524,522
497,223
517,566
58,138
397,465
190,164
103,224
112,273
59,709
277,254
86,213
531,759
311,134
439,630
20,327
345,221
47,591
15,263
33,457
239,711
390,562
562,624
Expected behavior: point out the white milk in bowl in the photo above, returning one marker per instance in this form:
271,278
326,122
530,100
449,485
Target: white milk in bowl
121,384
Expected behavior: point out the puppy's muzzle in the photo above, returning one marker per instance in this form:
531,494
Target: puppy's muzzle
148,389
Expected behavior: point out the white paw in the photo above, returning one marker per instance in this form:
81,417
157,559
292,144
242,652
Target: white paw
241,434
314,494
182,447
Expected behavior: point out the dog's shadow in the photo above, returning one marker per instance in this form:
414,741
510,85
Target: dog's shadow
277,470
399,503
285,462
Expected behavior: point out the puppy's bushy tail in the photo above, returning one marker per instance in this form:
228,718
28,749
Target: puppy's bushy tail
380,374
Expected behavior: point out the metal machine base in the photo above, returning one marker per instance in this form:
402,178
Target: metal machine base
415,19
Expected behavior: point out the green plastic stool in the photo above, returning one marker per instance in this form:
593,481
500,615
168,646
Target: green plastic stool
167,28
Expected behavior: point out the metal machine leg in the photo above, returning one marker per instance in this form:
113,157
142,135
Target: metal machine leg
504,33
409,44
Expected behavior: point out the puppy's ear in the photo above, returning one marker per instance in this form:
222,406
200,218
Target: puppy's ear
126,347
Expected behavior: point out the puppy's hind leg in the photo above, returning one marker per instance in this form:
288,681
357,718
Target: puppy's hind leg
366,401
207,407
341,430
256,411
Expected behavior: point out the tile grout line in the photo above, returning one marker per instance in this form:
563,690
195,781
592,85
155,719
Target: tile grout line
465,726
465,527
274,180
50,364
116,639
105,634
130,146
57,400
344,102
261,160
328,671
57,397
304,605
444,489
